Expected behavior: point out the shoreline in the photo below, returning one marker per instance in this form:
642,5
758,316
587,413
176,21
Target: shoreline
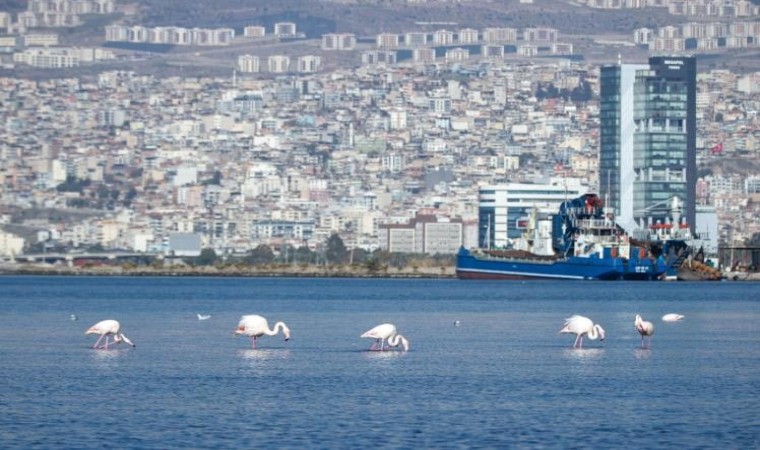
444,272
284,272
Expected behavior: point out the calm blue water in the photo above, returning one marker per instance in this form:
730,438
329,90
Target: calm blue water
503,378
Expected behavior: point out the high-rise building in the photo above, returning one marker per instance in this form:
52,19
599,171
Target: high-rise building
648,139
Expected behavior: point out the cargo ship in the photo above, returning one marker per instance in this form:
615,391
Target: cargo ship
584,244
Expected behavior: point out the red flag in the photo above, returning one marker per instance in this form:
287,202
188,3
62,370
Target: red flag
716,149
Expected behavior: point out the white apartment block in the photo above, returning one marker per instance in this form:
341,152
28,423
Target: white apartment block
285,29
170,35
393,162
669,32
278,64
668,45
58,20
442,237
425,233
561,48
254,31
39,40
499,35
527,50
492,51
339,41
309,64
249,64
467,36
397,119
60,57
72,6
379,57
443,37
26,20
540,34
457,54
642,36
10,244
387,41
5,20
415,39
439,105
425,55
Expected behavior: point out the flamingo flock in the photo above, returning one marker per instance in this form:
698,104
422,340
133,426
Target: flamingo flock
385,335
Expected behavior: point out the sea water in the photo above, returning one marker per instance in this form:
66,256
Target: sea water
486,368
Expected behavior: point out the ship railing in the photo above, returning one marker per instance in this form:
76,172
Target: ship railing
595,224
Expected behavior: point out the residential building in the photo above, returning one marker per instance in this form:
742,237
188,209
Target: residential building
425,233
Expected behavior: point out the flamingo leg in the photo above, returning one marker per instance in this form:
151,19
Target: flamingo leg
98,341
106,344
253,342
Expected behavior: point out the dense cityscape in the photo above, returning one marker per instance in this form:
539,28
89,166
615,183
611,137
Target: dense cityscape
288,158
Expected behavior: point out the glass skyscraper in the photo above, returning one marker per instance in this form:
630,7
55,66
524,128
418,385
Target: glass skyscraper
648,139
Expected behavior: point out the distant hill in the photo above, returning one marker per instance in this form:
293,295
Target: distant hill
366,18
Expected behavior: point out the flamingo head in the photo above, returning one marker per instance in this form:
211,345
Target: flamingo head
286,332
600,330
404,343
120,337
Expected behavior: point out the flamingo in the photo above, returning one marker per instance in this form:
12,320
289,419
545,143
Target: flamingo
384,332
645,329
580,326
672,317
204,316
107,328
255,326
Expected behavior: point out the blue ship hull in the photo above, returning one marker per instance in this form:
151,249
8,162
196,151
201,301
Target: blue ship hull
484,266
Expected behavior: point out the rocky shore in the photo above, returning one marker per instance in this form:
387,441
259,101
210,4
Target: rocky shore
305,271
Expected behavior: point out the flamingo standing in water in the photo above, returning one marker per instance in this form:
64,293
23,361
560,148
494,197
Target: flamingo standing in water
384,332
645,329
106,328
582,326
255,326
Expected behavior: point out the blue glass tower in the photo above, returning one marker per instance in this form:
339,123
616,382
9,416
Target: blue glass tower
648,139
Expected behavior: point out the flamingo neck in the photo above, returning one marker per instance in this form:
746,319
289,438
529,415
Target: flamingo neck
279,326
594,333
397,339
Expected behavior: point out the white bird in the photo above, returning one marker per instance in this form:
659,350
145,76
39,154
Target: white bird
672,317
204,316
645,329
255,326
73,317
580,326
107,328
386,332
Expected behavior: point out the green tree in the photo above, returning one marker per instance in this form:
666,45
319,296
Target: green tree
336,252
206,258
304,255
262,254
